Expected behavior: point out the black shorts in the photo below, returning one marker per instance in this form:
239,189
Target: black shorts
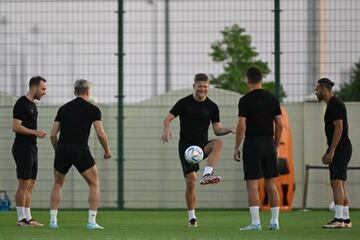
340,161
259,158
67,155
26,159
188,167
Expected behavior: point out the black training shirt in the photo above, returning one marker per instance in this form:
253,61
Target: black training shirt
336,110
195,118
26,111
259,107
75,119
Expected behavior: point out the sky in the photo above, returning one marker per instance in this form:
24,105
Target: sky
67,40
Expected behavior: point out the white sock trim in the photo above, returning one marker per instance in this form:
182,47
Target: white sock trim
27,213
346,212
339,211
191,214
20,213
207,170
53,215
92,216
254,213
274,215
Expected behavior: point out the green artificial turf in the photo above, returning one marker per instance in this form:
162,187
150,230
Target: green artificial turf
172,224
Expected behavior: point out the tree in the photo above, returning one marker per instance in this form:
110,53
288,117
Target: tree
350,91
234,51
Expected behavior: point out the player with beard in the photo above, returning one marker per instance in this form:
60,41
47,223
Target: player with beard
338,153
24,149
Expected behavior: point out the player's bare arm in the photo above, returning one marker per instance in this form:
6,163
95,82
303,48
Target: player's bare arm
53,135
103,138
338,128
239,136
221,131
166,134
278,130
18,128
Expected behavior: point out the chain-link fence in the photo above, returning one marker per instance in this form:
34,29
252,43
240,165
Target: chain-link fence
165,42
61,41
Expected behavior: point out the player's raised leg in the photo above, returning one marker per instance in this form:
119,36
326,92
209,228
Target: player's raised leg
213,149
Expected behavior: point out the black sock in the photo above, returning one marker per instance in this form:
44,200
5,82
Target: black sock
347,220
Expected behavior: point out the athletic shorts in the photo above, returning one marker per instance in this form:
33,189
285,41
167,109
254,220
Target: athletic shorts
188,167
67,155
259,158
26,159
340,161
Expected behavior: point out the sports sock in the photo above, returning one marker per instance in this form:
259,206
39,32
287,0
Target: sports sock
274,215
207,170
191,214
27,213
339,211
53,215
20,213
254,212
92,216
346,213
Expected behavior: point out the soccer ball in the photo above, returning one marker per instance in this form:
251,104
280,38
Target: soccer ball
332,206
194,154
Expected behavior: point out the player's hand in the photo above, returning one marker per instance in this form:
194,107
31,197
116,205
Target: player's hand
40,133
237,154
327,158
107,154
233,130
166,135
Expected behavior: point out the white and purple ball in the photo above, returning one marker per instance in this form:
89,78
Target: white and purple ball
194,154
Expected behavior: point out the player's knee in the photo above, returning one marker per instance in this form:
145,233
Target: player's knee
190,181
30,185
94,183
219,144
22,185
336,184
58,184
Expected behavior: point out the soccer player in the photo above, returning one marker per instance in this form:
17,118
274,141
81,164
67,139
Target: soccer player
258,110
24,149
338,154
73,121
196,111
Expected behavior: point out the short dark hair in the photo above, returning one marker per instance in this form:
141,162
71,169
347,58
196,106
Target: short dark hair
325,82
254,75
35,81
201,77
